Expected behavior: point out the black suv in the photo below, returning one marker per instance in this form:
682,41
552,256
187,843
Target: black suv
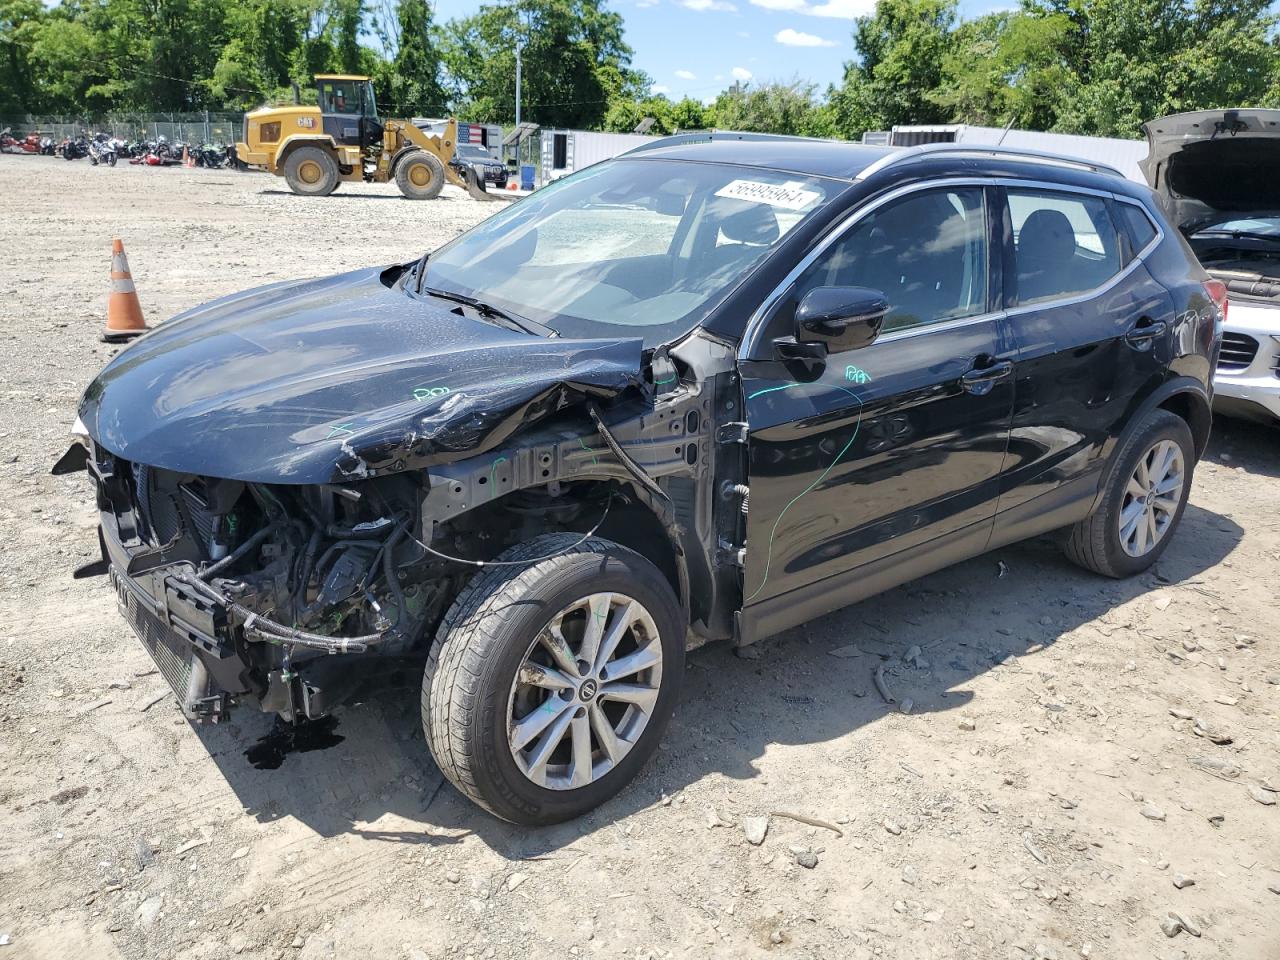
707,390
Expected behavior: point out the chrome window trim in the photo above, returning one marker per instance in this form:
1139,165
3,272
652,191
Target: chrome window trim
755,323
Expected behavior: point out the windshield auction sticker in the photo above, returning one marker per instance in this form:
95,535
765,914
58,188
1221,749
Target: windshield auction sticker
789,196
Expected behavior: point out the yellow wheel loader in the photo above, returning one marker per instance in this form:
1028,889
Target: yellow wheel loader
316,148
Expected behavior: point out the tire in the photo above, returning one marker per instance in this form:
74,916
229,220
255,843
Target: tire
470,694
420,175
311,172
1096,543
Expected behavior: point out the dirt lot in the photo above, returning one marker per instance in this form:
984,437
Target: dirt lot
1041,799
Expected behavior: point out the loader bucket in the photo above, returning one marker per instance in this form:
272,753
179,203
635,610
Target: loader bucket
475,186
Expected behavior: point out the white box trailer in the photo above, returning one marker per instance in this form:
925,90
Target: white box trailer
1124,155
566,151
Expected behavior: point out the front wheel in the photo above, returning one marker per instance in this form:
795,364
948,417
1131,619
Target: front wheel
550,681
420,175
311,172
1145,497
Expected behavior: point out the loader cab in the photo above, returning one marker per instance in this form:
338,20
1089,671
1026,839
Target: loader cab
348,109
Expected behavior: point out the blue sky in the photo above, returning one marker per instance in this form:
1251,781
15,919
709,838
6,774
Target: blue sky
698,47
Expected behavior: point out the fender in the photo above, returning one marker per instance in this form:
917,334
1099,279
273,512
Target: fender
1199,400
294,140
400,155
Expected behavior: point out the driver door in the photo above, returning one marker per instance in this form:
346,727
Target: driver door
882,462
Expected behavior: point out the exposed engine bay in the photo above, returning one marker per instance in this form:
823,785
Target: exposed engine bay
1248,275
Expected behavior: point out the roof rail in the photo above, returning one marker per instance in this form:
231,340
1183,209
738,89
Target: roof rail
708,136
923,150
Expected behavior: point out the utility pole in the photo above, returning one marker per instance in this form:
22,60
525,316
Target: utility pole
517,84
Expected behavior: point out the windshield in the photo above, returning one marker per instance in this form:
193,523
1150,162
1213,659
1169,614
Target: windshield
473,153
1257,226
642,248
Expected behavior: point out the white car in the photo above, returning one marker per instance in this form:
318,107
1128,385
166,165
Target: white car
1216,170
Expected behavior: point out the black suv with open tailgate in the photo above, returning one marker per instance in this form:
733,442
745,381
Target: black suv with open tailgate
707,390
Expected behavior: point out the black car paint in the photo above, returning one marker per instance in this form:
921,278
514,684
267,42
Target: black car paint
875,467
336,379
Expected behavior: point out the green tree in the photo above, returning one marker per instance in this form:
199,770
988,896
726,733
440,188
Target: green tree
1007,68
1133,60
414,84
772,107
20,24
901,48
574,58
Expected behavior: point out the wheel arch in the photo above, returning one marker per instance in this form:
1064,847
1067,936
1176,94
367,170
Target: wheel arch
294,141
1186,398
399,155
631,522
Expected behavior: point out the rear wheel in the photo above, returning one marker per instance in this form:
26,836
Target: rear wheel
1143,502
420,175
311,172
549,684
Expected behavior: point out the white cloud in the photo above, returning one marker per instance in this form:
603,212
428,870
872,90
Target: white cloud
686,75
795,38
643,4
722,6
843,9
840,9
658,89
741,73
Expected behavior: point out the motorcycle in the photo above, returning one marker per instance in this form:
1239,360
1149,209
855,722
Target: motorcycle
47,147
10,144
74,148
209,156
103,149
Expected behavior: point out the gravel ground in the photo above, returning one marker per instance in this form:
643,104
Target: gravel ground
1048,795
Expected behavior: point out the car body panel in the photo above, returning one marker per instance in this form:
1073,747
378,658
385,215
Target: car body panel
1256,383
883,451
336,379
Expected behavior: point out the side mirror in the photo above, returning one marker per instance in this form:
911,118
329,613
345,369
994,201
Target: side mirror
841,318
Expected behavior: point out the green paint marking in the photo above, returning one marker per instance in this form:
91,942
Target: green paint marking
342,429
856,374
660,383
583,444
429,393
492,470
768,560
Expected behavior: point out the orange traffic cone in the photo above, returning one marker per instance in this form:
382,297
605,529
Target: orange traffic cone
124,312
187,159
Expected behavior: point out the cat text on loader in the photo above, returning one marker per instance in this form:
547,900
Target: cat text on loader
316,148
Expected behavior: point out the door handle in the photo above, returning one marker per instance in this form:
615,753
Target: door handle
980,379
1144,331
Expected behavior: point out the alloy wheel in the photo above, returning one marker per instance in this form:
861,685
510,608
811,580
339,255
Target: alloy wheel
1151,498
585,691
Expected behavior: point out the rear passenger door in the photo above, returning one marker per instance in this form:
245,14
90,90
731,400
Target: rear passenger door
1091,335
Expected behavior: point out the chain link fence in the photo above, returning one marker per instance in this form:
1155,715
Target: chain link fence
215,128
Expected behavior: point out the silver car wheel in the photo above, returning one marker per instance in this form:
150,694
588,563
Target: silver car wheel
1151,498
585,691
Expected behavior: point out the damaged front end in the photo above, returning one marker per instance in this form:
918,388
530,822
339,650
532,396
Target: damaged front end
241,591
265,509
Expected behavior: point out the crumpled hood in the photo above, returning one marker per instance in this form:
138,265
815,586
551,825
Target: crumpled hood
337,379
1212,162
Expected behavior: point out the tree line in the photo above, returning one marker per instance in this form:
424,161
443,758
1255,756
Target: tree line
1097,67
